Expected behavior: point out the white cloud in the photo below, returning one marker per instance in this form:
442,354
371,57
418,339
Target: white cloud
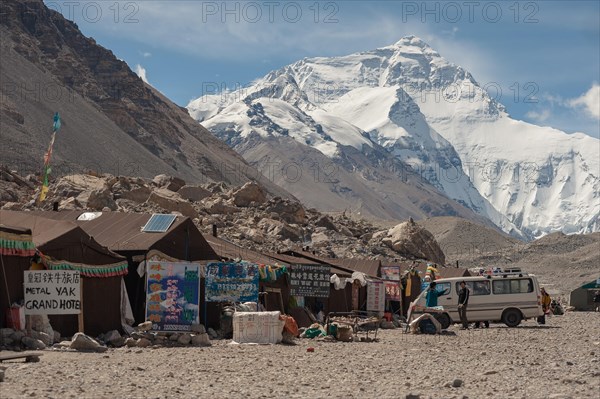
539,116
146,54
141,72
588,101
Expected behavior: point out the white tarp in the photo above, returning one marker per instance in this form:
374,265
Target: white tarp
340,283
257,328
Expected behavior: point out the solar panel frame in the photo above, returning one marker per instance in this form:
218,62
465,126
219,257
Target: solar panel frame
159,223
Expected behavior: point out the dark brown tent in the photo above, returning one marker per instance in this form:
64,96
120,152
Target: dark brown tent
122,233
65,242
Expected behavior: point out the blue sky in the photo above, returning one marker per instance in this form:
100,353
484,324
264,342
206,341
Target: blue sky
544,55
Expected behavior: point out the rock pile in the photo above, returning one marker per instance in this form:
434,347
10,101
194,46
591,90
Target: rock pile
244,215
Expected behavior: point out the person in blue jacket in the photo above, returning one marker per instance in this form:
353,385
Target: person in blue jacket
431,298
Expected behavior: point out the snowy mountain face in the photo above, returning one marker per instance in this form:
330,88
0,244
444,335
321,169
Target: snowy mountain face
414,109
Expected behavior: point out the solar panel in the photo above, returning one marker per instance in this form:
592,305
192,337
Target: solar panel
159,223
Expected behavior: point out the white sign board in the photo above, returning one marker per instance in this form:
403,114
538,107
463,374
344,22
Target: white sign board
52,292
376,297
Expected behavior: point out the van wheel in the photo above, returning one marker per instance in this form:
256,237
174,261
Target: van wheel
444,320
512,317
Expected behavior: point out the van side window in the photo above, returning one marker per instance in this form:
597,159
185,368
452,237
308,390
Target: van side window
476,287
513,286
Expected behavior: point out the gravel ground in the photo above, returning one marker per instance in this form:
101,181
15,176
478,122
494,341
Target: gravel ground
559,360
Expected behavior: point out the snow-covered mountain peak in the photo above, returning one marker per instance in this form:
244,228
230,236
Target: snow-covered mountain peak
409,101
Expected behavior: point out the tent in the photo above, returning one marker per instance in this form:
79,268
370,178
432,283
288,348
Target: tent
122,233
64,245
582,298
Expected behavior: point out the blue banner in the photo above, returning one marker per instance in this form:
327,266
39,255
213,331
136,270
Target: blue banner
173,295
231,282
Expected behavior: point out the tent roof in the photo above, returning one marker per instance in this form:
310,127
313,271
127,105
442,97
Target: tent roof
227,249
60,239
43,230
117,230
369,267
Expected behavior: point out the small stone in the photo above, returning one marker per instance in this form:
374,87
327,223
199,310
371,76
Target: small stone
1,375
184,339
198,328
413,396
143,343
130,342
33,344
174,337
569,363
201,340
457,383
145,326
82,342
490,372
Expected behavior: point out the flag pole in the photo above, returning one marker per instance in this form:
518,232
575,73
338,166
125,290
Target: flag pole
46,171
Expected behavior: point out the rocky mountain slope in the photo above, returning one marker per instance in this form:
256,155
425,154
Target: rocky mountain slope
246,215
431,116
112,121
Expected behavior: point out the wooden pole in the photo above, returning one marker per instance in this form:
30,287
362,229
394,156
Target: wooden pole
80,315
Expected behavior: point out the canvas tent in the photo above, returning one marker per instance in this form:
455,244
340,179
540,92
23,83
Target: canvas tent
64,245
122,233
582,298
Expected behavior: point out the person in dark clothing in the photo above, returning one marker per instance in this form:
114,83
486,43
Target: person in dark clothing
597,301
463,301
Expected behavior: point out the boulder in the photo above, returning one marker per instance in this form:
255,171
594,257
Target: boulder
100,199
252,234
131,342
412,240
139,194
172,202
249,193
319,239
32,343
85,343
289,211
218,206
325,221
213,334
201,340
279,229
168,182
69,204
193,193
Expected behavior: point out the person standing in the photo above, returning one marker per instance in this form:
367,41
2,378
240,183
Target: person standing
431,298
546,301
463,301
597,301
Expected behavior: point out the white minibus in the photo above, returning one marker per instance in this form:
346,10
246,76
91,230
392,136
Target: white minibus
507,298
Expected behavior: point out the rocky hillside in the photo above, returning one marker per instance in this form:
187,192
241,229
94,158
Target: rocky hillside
246,215
112,121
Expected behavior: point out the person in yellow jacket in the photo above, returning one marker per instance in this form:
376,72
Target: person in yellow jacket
546,301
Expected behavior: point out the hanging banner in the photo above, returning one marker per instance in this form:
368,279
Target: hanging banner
391,273
392,290
310,280
52,292
231,282
173,295
376,297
